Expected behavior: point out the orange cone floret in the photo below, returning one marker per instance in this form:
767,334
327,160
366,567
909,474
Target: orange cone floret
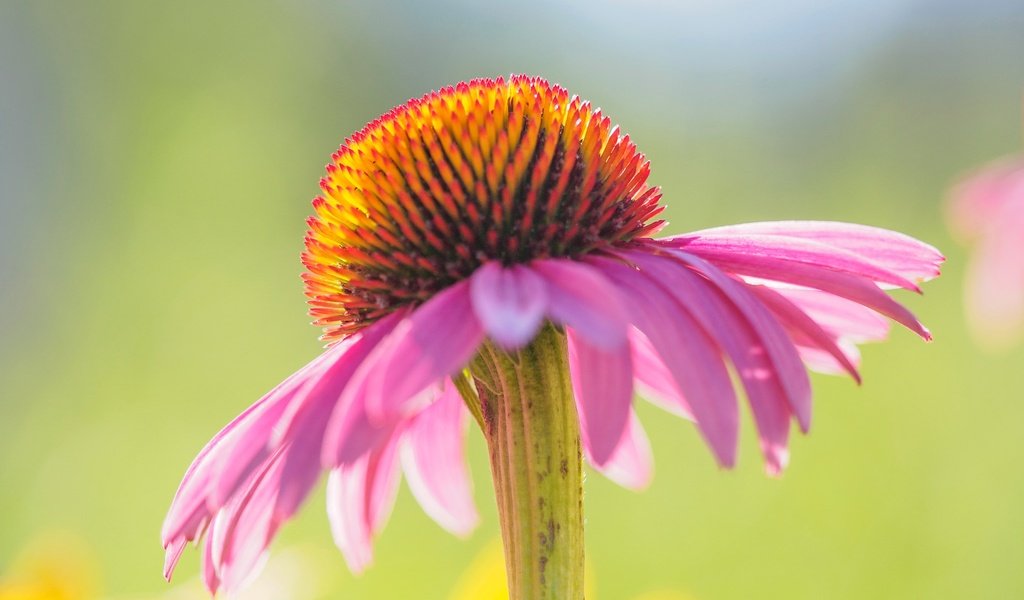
486,170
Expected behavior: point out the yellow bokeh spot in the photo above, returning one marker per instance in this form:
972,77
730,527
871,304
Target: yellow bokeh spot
53,566
485,577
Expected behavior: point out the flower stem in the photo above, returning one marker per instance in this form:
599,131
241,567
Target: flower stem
532,431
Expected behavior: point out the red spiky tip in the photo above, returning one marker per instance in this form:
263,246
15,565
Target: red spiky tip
486,170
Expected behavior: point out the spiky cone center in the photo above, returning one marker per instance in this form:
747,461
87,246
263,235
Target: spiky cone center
487,170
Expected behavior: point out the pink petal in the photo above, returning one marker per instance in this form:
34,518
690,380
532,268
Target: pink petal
890,250
197,499
822,361
303,427
841,284
580,297
809,333
252,445
350,434
766,332
838,316
653,380
689,353
383,476
346,509
433,458
776,251
249,449
632,463
756,345
603,385
290,415
244,528
510,303
208,568
438,339
172,554
359,499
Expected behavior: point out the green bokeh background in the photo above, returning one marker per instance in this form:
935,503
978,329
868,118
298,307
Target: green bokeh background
156,166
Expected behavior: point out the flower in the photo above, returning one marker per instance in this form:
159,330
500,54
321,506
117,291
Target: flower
986,209
473,217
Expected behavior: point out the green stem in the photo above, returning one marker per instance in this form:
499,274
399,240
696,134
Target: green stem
532,431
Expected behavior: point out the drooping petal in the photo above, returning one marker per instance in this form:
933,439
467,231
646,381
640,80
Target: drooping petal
631,464
766,333
436,340
824,361
752,344
844,285
304,425
779,251
360,496
838,316
208,568
806,331
245,448
653,380
899,253
383,477
434,462
172,554
350,434
580,297
221,469
197,499
346,508
244,528
690,354
510,303
603,386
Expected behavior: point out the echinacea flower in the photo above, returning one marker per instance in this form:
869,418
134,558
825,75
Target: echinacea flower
487,250
986,210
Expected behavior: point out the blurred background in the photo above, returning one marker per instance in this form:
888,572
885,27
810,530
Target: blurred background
156,165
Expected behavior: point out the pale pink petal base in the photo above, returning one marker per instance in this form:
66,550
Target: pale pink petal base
360,497
432,451
603,386
631,464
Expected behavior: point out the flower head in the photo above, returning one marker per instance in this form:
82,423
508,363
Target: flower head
486,171
474,217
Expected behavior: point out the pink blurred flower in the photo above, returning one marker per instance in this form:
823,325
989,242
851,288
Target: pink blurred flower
986,210
664,316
